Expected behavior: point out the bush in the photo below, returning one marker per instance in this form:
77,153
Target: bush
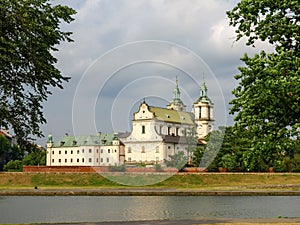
229,162
121,168
13,166
157,167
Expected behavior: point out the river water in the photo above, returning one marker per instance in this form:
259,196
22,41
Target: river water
46,209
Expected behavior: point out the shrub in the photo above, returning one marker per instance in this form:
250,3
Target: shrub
157,167
13,166
121,168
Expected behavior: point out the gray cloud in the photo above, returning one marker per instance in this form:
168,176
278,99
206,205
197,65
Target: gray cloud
112,76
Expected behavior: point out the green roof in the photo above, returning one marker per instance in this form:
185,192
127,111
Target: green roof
172,116
86,140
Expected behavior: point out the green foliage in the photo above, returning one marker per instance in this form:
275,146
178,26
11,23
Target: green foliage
275,21
237,153
198,154
121,168
13,166
267,98
9,152
37,157
179,160
229,162
28,36
190,136
157,167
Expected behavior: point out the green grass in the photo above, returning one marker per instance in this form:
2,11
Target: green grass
201,181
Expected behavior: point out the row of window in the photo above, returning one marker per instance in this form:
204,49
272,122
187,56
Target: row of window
156,149
129,159
90,160
170,131
90,151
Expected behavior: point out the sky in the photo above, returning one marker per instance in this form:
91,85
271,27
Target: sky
127,51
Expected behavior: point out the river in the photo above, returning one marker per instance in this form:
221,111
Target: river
62,209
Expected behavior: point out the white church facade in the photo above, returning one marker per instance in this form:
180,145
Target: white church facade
156,134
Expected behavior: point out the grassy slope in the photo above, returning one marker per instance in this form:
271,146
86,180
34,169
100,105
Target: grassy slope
203,181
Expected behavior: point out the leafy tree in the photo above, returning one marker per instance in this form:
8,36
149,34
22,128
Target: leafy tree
28,36
267,98
198,154
229,162
4,148
14,165
35,157
178,160
191,139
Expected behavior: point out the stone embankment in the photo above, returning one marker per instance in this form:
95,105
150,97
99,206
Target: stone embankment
142,192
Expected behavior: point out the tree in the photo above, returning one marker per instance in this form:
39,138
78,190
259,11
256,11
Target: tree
191,139
4,148
267,98
179,160
28,36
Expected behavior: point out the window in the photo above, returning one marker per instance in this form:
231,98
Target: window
77,151
101,150
78,160
97,150
59,160
143,129
101,160
129,149
169,147
82,159
90,150
82,150
199,111
59,152
52,152
177,131
169,130
129,159
66,160
53,160
108,150
97,160
66,152
71,160
71,151
115,150
107,159
157,149
90,160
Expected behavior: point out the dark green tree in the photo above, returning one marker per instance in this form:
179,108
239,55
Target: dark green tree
30,31
4,149
198,154
179,160
191,139
267,98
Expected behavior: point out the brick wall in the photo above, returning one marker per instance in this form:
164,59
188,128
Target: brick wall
88,169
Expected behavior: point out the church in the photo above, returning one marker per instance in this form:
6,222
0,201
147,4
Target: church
159,132
156,134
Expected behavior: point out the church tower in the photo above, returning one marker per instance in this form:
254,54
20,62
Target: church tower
203,110
176,103
49,150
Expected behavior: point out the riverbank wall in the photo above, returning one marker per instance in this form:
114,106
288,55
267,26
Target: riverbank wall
99,169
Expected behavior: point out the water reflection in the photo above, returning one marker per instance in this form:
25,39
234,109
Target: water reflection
33,209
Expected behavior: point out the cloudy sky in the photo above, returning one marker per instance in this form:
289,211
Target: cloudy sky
125,51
